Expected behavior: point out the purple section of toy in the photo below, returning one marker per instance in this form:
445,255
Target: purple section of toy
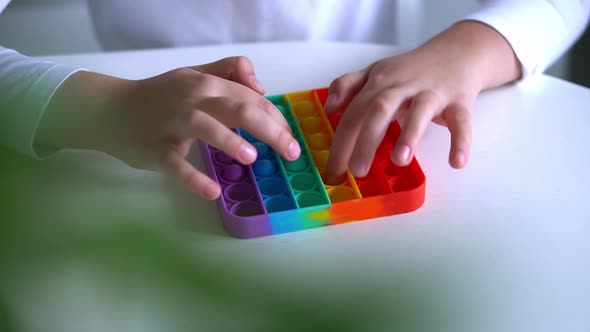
243,214
240,195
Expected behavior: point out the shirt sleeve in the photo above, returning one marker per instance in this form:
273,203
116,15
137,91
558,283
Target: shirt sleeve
539,31
27,85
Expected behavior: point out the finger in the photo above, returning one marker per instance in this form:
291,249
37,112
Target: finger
274,113
239,114
270,109
423,108
343,89
238,69
381,113
347,134
174,164
218,87
402,112
199,124
458,119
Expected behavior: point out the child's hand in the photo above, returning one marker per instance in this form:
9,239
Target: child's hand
152,123
437,82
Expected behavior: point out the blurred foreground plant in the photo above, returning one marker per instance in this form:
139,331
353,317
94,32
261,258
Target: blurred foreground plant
165,269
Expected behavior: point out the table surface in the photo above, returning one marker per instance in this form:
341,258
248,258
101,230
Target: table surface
509,234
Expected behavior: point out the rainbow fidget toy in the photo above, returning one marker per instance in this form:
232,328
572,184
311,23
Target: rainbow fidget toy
274,196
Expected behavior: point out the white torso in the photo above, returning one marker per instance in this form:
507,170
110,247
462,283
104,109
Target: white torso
158,23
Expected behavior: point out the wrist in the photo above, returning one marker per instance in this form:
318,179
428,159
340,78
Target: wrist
77,116
486,58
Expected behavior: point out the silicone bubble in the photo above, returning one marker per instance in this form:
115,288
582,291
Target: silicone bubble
248,137
223,159
340,181
390,169
272,186
247,209
296,166
372,188
384,150
279,203
240,192
321,158
264,168
319,141
341,194
310,198
400,184
303,182
304,109
311,125
264,151
233,173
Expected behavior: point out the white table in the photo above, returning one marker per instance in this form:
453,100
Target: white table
508,237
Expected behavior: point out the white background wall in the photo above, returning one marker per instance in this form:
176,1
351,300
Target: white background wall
40,27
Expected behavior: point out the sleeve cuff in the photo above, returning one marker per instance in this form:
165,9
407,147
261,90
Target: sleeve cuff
47,86
534,29
27,87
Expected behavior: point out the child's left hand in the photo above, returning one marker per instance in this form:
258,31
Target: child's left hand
438,82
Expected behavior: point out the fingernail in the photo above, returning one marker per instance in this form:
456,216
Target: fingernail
358,168
255,83
331,101
211,191
247,154
459,159
404,153
293,150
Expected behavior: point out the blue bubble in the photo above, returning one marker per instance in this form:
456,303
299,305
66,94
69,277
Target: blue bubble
264,151
272,186
279,203
264,168
247,136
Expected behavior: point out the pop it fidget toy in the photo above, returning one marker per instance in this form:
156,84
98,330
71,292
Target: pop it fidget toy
274,195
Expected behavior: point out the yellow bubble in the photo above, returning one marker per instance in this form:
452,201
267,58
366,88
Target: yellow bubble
311,125
304,109
321,158
319,141
341,193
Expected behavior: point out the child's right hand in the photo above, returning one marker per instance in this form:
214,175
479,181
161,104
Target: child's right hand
151,123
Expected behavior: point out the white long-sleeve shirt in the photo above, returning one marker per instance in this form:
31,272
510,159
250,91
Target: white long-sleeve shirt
539,31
